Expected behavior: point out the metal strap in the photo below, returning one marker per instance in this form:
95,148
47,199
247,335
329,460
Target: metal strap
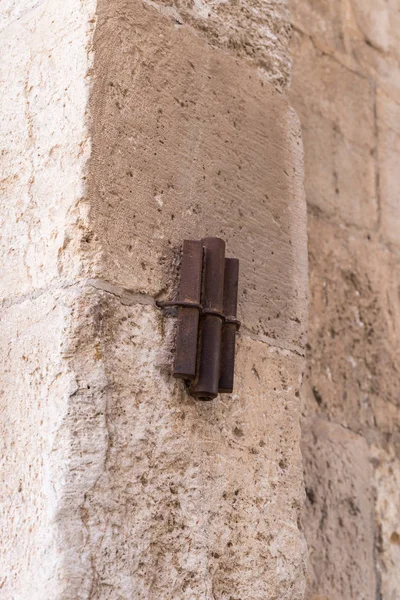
229,320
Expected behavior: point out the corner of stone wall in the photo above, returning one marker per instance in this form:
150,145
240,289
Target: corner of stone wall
133,487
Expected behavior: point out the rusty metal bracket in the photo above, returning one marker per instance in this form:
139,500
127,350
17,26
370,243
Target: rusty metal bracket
207,323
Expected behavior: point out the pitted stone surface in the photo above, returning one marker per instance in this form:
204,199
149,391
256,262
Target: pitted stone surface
117,485
339,512
346,82
45,143
196,500
256,30
49,456
45,60
200,145
386,486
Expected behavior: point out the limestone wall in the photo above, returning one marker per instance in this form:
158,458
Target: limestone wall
346,90
129,126
45,59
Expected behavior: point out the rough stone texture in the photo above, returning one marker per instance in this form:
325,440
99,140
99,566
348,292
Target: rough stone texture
34,390
388,115
387,482
45,144
339,506
228,158
45,59
339,149
256,30
195,499
345,87
117,485
355,284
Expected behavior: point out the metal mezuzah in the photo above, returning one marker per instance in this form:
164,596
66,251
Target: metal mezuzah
207,323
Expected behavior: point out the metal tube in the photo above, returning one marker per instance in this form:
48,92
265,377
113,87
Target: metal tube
228,341
206,386
188,317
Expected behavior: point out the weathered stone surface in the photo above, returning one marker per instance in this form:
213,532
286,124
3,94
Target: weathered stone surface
13,10
338,513
354,328
45,57
361,36
346,84
195,500
379,22
256,30
41,484
131,487
340,175
117,485
320,19
322,85
387,485
199,145
389,156
384,69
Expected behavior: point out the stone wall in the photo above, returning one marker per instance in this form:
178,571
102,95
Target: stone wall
346,90
44,92
128,127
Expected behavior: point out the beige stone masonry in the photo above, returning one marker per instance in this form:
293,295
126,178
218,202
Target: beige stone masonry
128,127
227,152
345,87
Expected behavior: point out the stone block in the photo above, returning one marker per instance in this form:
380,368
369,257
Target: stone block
257,30
199,145
340,175
387,484
196,499
338,513
388,112
36,386
45,145
322,85
379,22
116,483
321,20
353,338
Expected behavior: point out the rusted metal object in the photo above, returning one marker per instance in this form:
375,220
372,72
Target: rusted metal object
189,310
228,343
206,384
207,323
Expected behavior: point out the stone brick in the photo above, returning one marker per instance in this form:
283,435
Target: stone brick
353,341
200,145
340,175
361,36
338,513
45,146
322,20
379,21
320,84
355,173
319,139
37,385
387,485
122,485
346,89
389,156
116,483
195,500
256,30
